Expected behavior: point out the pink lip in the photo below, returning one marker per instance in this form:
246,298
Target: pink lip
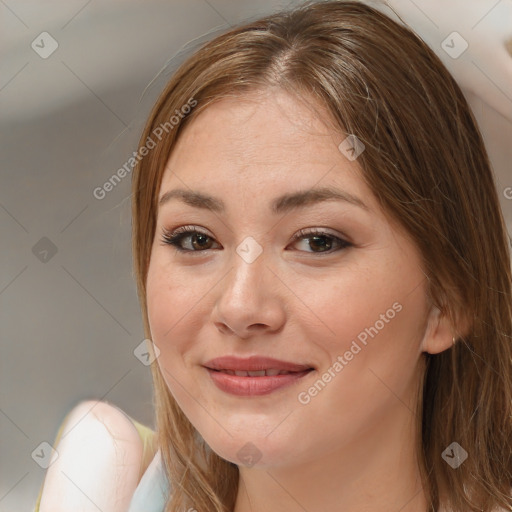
253,386
254,363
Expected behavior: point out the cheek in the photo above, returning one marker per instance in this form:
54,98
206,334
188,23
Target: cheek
171,302
378,313
375,326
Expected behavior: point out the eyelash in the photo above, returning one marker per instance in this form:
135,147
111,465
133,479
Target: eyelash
175,238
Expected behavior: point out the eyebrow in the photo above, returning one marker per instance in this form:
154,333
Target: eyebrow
281,204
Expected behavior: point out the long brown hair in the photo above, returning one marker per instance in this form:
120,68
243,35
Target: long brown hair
426,163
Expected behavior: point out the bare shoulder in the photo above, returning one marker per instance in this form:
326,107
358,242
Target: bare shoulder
99,456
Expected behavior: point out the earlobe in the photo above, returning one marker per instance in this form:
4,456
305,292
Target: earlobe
508,46
439,333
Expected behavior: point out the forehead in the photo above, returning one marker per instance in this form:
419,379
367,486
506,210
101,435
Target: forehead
267,143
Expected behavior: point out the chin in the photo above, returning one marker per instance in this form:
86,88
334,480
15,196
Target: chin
251,451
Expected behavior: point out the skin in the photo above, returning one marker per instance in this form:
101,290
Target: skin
352,446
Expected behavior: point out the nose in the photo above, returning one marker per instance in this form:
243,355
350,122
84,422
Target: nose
250,301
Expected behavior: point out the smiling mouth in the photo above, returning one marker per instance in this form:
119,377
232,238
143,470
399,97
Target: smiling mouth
271,372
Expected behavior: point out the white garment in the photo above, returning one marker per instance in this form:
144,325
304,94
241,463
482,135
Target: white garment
153,490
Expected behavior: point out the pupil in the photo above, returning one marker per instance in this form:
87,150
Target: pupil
323,243
199,237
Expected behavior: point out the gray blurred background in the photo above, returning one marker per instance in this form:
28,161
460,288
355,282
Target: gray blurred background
69,314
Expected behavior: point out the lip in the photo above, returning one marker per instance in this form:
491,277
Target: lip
254,363
254,385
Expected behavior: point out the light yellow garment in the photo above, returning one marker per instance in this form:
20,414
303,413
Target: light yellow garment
148,438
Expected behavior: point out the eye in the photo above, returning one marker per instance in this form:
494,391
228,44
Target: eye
194,239
190,239
322,240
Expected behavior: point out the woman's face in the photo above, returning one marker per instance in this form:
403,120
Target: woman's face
277,270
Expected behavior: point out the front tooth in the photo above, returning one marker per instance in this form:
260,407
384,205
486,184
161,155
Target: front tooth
259,373
272,371
229,372
240,373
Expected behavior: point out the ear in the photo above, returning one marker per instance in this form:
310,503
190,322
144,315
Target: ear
439,333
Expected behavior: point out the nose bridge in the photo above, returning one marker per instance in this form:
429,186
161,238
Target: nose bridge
247,278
